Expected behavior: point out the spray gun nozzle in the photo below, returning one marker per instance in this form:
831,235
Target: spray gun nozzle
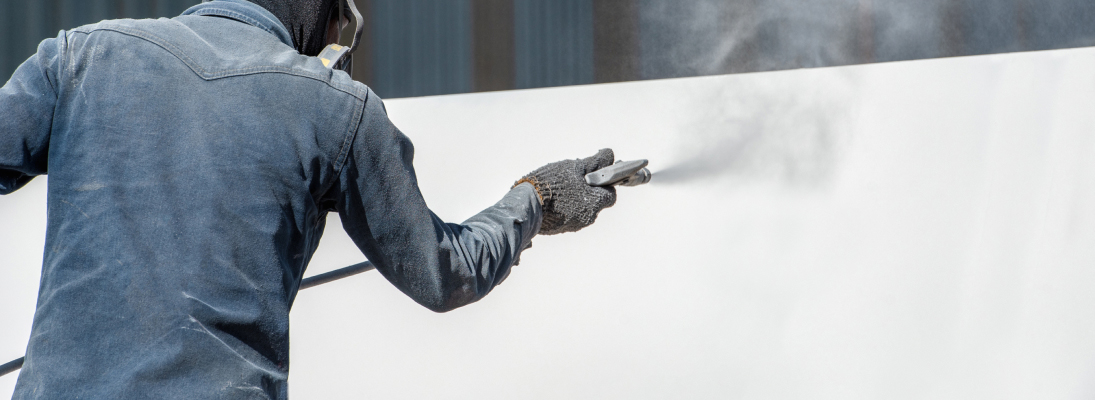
640,177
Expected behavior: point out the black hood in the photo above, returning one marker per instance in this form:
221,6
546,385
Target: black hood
306,21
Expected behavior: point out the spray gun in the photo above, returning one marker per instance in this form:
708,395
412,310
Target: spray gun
622,173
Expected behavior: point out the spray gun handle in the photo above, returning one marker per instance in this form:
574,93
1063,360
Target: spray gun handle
625,173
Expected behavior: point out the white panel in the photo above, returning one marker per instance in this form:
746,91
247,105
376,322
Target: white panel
906,230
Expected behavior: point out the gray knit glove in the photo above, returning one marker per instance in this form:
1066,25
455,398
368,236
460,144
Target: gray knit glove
569,203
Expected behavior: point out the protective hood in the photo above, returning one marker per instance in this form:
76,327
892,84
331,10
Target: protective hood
306,21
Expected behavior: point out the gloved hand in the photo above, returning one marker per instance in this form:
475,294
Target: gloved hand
569,203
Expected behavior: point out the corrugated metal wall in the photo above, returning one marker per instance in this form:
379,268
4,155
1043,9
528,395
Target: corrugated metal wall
421,47
428,47
554,42
425,47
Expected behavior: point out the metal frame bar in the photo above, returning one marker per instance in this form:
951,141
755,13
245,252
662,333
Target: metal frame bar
309,282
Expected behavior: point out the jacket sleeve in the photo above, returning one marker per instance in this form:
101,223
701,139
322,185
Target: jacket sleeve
441,266
27,102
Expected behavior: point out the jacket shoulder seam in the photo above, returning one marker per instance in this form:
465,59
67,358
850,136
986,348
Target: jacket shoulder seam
344,148
355,126
214,75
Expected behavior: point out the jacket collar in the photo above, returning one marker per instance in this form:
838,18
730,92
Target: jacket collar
246,12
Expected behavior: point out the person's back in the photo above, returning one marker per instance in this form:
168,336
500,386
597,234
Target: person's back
192,163
174,143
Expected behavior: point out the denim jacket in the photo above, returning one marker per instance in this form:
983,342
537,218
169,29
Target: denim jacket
192,162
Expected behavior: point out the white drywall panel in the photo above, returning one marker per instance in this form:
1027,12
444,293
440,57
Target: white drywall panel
908,230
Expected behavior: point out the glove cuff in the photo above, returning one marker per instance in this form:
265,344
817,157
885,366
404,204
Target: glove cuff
535,186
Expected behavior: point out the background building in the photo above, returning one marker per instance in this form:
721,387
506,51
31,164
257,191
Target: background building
430,47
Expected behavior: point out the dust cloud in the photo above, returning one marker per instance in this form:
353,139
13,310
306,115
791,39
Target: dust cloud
708,37
750,133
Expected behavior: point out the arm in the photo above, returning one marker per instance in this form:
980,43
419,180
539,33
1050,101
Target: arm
27,102
440,265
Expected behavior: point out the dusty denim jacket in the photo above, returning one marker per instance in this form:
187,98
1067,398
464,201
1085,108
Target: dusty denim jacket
191,164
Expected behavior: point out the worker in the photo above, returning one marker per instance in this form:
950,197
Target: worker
192,162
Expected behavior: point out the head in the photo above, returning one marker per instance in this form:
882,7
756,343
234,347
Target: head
313,24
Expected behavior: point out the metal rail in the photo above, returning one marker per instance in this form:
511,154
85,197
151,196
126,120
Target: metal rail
11,366
308,282
335,275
